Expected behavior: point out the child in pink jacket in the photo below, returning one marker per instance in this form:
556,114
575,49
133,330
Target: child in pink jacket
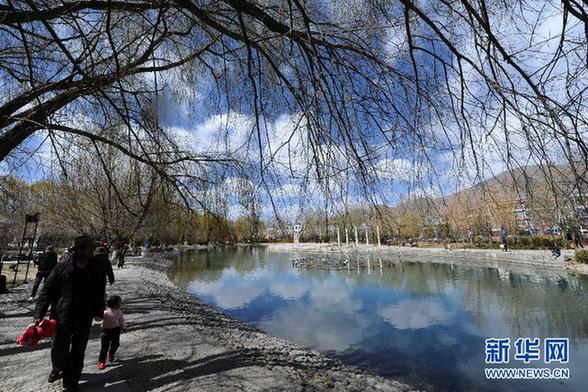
112,324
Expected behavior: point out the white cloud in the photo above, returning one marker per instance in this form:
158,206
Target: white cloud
395,42
287,190
396,169
222,133
287,147
426,192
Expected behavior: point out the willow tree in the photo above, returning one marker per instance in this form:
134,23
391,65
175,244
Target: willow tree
364,83
100,192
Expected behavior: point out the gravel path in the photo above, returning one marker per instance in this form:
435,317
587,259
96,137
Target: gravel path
175,342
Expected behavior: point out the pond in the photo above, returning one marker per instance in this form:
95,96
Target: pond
421,323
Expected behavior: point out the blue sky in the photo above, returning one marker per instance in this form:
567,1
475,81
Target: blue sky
199,117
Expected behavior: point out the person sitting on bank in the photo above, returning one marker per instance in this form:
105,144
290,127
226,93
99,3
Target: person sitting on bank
45,264
555,250
73,291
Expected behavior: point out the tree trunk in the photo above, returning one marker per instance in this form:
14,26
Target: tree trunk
12,138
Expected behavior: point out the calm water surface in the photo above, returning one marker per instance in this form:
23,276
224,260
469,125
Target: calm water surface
421,323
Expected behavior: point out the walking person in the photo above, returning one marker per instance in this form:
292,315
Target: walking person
113,323
120,255
73,291
504,239
45,264
104,268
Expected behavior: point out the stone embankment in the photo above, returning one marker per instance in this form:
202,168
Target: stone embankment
523,260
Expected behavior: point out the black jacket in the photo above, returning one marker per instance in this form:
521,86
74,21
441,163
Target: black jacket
57,292
104,267
46,261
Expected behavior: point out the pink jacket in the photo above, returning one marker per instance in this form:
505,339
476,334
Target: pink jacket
113,318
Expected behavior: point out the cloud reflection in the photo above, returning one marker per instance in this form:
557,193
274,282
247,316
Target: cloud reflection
227,292
327,319
290,290
333,293
416,314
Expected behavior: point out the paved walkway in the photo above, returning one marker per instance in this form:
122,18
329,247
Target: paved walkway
175,343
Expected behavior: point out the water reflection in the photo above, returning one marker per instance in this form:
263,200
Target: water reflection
424,323
229,291
290,291
416,314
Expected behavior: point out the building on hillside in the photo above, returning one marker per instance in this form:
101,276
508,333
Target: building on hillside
579,204
524,218
576,202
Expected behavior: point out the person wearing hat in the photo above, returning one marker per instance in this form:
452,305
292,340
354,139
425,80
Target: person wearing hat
45,264
73,291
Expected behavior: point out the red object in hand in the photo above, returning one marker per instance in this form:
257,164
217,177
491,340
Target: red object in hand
47,328
33,333
29,338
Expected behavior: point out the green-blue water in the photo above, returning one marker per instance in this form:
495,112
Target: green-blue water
421,323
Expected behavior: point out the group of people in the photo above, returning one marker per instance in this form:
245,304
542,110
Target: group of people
74,290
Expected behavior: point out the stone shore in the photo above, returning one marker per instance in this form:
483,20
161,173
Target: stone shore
175,342
523,261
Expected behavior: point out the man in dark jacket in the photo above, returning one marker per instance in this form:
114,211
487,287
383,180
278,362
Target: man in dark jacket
73,291
45,264
104,267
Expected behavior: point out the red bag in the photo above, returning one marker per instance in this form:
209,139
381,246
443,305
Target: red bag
33,333
29,338
46,328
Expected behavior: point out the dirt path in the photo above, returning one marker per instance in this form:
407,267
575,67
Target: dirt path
175,343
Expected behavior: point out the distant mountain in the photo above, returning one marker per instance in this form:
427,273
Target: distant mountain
534,196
